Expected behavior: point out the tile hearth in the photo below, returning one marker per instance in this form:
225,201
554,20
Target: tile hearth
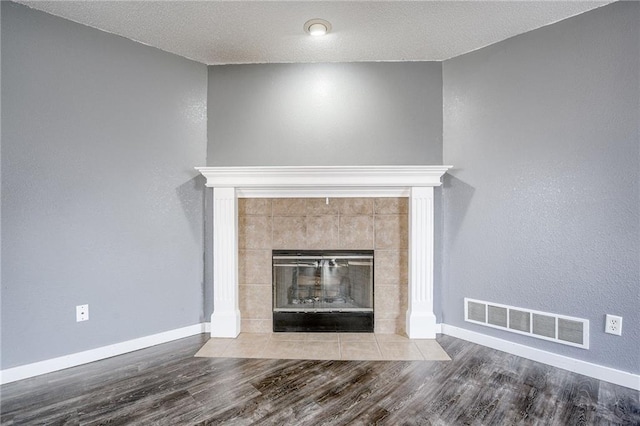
325,346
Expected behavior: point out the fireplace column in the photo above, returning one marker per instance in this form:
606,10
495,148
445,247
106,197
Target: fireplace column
421,321
225,320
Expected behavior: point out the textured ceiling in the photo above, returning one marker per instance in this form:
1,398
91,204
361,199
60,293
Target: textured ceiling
231,32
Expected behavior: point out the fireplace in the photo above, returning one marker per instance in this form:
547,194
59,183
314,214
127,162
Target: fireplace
327,290
415,183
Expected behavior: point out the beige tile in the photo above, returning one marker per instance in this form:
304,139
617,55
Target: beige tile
387,302
322,337
319,206
404,351
391,337
213,348
255,302
356,232
431,350
392,205
387,326
253,337
356,206
357,337
289,206
256,325
404,301
288,337
254,267
314,346
357,351
320,350
245,349
322,232
392,266
254,206
282,350
254,232
289,232
391,232
401,324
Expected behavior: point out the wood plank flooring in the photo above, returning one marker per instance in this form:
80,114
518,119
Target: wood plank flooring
167,385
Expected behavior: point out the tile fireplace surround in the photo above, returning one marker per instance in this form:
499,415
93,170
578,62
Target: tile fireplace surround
385,208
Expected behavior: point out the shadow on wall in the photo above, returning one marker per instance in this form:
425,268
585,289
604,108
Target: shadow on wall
191,196
457,199
193,200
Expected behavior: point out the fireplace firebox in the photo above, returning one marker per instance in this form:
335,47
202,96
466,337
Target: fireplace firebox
323,291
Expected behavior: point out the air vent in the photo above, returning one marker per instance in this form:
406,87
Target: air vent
570,331
542,325
497,316
477,311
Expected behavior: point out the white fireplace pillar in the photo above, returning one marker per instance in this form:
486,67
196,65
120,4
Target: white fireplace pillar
421,321
225,320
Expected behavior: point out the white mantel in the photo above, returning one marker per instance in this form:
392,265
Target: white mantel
415,182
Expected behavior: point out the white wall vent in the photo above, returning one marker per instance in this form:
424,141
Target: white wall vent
542,325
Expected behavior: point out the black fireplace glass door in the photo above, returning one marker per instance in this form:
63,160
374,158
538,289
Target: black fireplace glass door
322,282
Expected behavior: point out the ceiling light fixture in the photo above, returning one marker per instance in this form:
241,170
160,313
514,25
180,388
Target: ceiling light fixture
317,27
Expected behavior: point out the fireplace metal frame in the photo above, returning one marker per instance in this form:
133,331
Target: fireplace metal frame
320,315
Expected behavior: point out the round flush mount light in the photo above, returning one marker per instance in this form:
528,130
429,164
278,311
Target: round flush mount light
317,27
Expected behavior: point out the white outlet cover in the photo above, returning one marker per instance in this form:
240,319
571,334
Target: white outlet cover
613,325
82,313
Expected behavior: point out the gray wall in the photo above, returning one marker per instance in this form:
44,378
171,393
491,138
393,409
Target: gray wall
0,184
100,202
542,209
325,114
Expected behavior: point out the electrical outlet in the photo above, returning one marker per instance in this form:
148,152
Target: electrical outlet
82,313
613,325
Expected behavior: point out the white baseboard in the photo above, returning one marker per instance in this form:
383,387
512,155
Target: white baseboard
37,368
596,371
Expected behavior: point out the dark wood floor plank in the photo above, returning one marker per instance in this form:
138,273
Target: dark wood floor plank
166,385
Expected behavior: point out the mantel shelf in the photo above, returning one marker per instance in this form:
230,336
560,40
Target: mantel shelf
253,177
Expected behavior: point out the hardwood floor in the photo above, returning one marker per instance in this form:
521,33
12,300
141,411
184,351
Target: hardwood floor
166,385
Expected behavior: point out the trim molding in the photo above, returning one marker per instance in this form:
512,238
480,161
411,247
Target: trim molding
307,192
72,360
297,177
606,374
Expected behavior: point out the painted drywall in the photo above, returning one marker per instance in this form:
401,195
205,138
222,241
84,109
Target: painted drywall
325,114
100,201
542,208
0,181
